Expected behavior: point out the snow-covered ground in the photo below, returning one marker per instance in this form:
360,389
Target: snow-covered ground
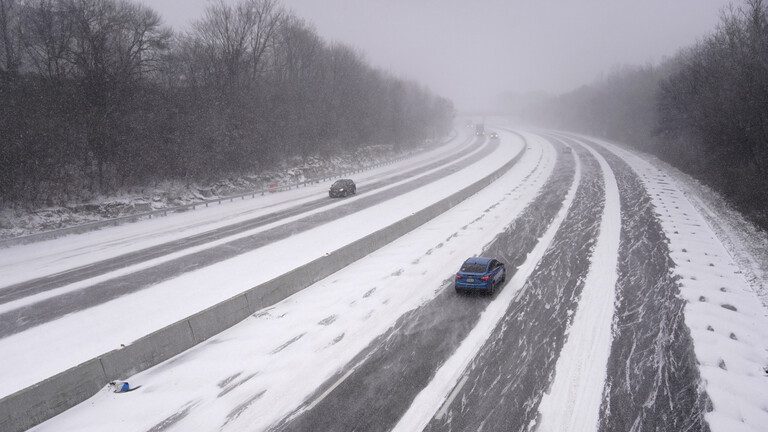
726,318
69,340
746,242
258,371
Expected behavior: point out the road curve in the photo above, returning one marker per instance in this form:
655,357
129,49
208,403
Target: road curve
380,384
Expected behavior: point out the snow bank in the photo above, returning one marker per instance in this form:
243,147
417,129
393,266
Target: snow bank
726,318
745,241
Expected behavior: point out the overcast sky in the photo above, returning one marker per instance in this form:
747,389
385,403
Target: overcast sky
472,50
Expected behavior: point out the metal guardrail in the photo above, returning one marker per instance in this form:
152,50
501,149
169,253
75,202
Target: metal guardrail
267,189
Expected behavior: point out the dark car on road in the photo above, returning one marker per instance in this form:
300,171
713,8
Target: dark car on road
480,274
494,136
342,188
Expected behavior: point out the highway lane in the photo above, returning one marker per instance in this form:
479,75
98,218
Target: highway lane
505,382
42,284
28,316
653,379
334,315
379,385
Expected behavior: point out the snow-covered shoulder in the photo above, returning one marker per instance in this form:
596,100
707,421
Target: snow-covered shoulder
724,313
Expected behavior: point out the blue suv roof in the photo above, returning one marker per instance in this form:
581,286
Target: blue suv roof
478,260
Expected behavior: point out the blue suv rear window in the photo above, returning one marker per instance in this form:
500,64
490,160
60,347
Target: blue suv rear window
473,268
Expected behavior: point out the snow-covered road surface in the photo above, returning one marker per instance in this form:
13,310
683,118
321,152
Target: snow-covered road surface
403,360
41,300
572,402
72,339
623,312
292,348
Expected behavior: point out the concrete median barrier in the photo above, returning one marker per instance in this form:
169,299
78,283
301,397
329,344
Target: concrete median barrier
52,396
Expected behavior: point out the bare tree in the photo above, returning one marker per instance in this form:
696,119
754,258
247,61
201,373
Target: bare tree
106,97
9,46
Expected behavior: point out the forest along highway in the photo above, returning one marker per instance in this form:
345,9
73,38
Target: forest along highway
31,315
598,328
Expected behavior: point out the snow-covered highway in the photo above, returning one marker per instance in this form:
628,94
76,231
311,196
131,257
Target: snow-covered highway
623,309
41,300
62,319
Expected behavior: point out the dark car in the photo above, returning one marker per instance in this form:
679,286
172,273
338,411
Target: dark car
480,274
342,188
567,149
494,136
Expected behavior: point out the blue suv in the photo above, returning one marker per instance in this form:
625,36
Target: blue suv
480,274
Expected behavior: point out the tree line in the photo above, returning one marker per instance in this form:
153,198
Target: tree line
99,95
705,110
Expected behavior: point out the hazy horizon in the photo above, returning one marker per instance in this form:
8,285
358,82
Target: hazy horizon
471,52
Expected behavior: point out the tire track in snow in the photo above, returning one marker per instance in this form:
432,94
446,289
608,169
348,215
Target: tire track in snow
652,381
376,390
515,365
572,402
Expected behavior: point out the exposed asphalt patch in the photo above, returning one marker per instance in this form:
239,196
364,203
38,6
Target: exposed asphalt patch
235,413
287,344
174,418
231,386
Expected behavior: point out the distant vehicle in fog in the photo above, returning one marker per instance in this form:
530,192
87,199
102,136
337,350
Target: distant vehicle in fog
494,136
479,129
342,188
480,274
